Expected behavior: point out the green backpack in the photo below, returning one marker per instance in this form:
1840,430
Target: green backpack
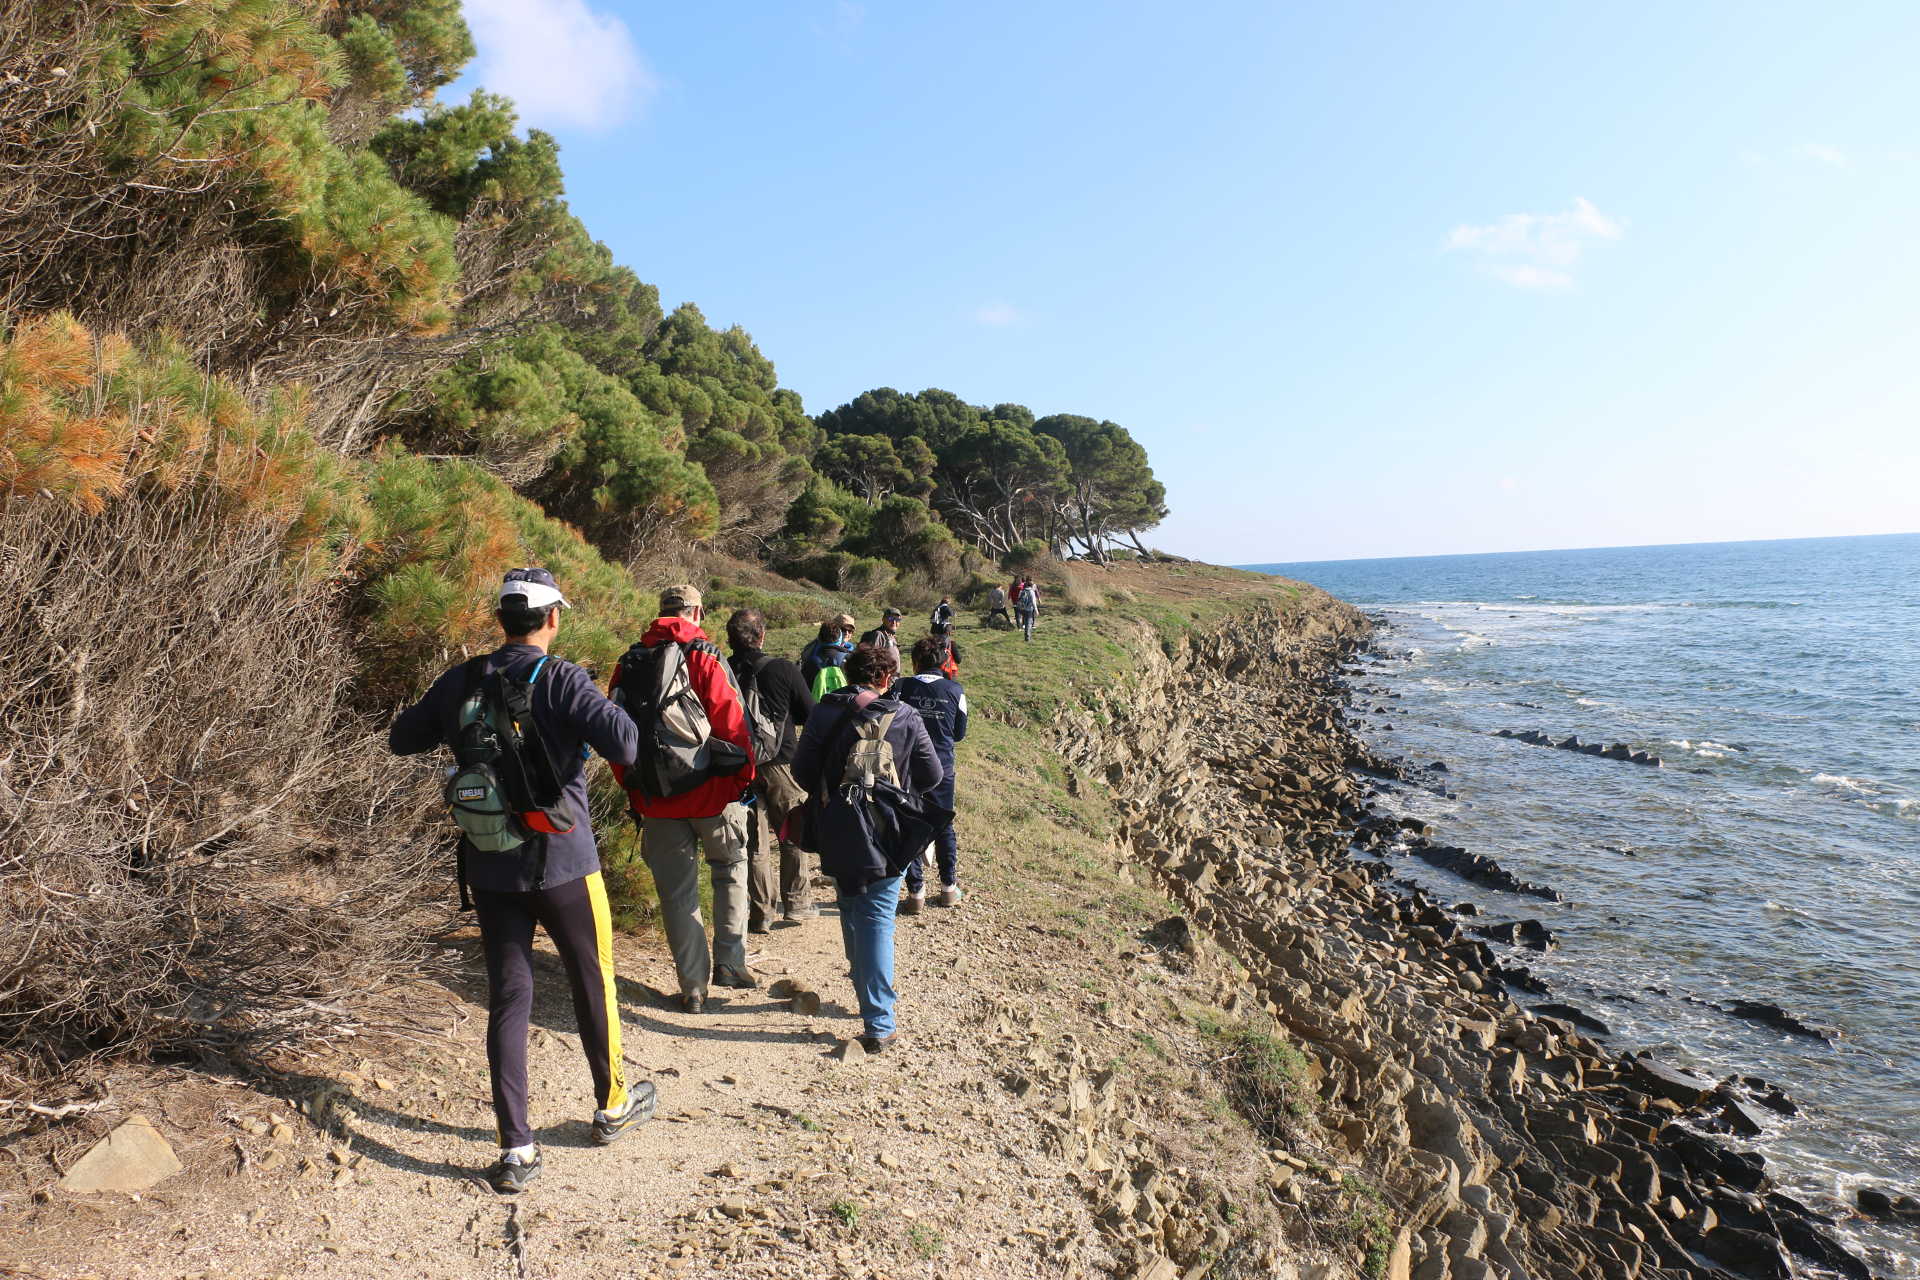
503,790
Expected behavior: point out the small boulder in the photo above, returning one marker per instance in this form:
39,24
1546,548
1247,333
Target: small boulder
131,1158
1683,1087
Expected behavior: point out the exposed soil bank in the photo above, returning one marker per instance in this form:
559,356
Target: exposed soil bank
1504,1141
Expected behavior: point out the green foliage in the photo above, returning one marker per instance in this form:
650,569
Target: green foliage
430,38
847,1211
241,86
925,1241
1266,1076
997,478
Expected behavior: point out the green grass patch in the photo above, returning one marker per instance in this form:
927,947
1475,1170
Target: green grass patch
1264,1075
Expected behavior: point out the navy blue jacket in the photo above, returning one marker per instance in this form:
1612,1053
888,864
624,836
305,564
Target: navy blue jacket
572,714
942,705
914,760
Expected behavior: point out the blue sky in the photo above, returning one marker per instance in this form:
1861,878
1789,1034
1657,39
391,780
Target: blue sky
1365,280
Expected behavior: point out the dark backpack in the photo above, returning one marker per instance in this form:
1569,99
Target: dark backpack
867,826
504,790
678,751
767,736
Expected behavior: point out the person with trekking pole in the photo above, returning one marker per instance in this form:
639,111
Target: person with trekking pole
520,722
868,765
691,773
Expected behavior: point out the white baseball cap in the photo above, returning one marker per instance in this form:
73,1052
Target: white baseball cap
535,587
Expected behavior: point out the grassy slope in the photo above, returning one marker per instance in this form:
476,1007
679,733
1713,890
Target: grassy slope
1013,789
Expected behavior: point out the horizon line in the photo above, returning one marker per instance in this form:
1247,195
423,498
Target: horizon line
1536,551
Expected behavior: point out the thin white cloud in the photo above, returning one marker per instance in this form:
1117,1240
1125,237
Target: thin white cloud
1525,276
998,315
565,64
1820,153
1536,250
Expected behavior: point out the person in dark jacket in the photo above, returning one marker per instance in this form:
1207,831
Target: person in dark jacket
869,887
942,705
828,649
785,700
552,881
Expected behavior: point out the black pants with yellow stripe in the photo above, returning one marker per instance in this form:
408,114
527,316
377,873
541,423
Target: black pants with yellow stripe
575,916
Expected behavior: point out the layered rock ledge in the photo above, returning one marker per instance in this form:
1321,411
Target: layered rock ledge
1504,1140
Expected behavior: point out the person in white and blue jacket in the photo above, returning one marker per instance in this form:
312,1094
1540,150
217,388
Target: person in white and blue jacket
942,705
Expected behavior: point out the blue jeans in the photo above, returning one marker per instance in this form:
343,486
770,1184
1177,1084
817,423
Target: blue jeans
1027,619
866,927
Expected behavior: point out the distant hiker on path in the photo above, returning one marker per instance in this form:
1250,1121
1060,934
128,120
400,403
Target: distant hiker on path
942,620
1026,605
777,876
866,761
827,651
886,636
690,773
942,705
997,607
518,877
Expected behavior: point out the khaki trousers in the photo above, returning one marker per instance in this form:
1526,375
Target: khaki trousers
778,878
671,848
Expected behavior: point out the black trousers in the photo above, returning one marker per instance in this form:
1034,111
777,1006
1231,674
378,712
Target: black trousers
576,917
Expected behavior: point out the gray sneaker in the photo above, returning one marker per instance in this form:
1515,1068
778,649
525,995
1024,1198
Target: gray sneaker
509,1175
608,1127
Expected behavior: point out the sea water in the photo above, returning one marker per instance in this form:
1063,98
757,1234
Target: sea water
1774,857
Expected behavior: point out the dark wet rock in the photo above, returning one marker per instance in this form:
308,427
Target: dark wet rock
1619,751
1748,1252
1481,869
1578,1017
1521,933
1569,743
1876,1203
1819,1248
1685,1087
1521,979
1772,1015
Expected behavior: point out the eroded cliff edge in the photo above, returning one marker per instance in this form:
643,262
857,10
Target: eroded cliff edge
1459,1133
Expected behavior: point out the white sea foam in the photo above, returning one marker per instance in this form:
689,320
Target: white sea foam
1854,785
1590,702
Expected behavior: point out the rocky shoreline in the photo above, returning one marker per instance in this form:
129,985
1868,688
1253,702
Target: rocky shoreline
1505,1138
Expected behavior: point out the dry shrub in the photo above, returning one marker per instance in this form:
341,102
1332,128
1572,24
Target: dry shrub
203,849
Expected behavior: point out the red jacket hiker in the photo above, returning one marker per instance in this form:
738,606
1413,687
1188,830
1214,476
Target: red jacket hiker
710,679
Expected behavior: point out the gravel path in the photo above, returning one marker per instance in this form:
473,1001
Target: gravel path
780,1148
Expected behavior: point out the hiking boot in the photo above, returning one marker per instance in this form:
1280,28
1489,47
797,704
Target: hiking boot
759,926
798,914
510,1174
949,896
691,1002
608,1127
727,976
911,904
880,1044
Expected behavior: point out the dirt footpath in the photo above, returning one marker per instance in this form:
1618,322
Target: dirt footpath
779,1149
